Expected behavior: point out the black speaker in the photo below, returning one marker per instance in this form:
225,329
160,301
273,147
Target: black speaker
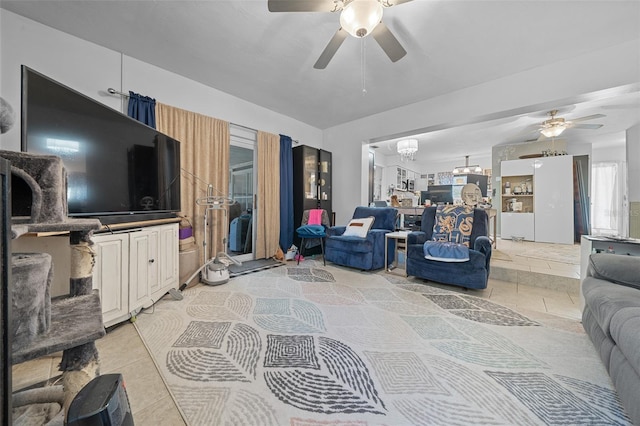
102,402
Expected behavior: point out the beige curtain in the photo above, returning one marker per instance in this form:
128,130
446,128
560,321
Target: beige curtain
268,196
204,159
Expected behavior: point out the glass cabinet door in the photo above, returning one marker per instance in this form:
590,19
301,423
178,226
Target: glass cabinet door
324,170
310,172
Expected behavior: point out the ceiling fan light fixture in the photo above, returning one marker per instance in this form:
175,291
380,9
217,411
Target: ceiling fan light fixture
360,17
407,149
478,169
553,130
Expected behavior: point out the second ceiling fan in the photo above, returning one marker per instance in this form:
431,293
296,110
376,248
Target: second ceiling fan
554,126
357,17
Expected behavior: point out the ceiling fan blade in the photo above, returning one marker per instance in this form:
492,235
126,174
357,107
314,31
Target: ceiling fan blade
301,6
529,133
621,106
588,117
388,42
331,49
587,126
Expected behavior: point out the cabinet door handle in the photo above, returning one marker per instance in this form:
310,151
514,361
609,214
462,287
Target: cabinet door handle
151,260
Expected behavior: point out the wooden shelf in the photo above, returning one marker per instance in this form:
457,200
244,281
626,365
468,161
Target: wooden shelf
526,198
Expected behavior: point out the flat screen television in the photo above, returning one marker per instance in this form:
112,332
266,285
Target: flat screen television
118,168
438,194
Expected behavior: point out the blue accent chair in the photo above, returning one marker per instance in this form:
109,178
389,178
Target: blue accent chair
473,273
363,253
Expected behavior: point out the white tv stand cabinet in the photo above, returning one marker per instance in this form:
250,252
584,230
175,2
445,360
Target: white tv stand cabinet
135,265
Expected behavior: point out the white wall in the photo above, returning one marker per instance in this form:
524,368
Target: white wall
633,165
612,67
633,179
181,92
608,152
84,66
91,69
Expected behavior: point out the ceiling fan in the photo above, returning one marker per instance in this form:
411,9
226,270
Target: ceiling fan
357,17
554,126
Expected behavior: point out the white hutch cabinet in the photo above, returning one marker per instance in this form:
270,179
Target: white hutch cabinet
538,202
134,268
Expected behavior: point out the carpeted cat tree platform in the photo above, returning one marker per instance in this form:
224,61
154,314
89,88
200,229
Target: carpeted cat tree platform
42,325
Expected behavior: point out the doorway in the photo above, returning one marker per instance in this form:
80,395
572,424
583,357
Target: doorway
242,184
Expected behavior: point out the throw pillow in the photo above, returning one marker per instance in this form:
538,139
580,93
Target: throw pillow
359,227
453,224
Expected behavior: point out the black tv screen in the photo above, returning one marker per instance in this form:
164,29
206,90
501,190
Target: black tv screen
438,194
115,165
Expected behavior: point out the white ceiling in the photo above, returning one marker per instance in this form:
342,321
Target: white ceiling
266,58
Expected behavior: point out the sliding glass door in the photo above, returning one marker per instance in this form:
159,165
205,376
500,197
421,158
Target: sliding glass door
242,184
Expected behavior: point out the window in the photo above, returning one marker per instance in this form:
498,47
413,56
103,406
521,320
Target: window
608,198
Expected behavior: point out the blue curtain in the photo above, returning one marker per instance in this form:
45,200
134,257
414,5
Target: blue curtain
286,193
142,108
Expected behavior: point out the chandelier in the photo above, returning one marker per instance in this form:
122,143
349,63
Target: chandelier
407,149
467,168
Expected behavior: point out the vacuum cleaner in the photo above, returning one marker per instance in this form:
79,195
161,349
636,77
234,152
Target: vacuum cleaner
214,272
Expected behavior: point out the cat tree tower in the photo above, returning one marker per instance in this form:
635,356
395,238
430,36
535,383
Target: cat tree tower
41,325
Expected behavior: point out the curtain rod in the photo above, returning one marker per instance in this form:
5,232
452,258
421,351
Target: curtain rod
254,130
113,91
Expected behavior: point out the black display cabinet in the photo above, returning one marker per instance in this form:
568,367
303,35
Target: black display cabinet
311,183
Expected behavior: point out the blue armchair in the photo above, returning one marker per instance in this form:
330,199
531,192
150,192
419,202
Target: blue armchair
473,273
362,253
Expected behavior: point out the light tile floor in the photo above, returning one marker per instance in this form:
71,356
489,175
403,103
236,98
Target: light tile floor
553,266
122,350
557,259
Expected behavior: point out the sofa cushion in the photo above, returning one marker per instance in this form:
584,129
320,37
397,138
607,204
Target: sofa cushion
349,244
623,270
627,383
605,300
603,344
625,331
470,274
453,224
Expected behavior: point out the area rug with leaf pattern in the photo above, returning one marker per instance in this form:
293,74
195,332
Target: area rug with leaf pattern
308,344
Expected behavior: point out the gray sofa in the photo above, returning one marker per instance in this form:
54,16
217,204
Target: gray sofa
611,318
